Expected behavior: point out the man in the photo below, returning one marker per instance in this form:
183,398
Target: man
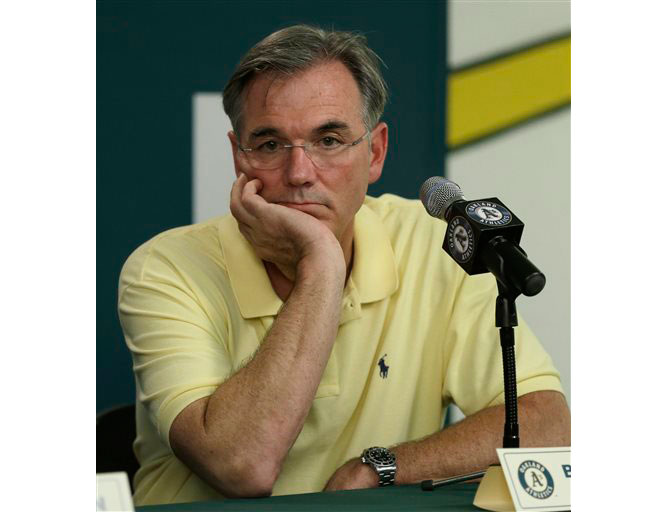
273,346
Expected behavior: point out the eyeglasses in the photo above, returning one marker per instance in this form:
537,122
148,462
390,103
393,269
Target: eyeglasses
325,152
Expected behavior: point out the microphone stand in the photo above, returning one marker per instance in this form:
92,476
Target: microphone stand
514,276
506,320
492,493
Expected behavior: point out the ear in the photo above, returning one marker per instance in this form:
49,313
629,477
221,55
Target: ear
379,137
235,152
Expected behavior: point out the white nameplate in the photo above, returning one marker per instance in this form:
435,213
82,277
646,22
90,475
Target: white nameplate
113,492
537,478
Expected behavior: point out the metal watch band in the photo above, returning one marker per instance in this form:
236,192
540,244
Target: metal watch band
387,477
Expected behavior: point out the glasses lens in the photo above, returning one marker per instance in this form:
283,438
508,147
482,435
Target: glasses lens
327,156
266,160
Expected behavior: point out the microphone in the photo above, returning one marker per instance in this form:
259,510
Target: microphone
482,236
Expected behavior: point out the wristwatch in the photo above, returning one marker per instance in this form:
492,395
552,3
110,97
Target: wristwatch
383,462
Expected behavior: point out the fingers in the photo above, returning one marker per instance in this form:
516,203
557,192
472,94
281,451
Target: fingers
245,202
237,188
250,197
251,186
235,194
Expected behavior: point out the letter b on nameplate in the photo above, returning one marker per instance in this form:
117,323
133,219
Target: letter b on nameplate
537,478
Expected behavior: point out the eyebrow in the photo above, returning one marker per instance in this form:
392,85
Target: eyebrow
264,131
332,125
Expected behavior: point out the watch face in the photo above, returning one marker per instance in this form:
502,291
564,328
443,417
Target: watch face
380,456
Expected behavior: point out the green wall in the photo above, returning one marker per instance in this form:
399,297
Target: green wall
151,58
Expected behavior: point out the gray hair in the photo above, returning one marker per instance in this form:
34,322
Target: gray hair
300,47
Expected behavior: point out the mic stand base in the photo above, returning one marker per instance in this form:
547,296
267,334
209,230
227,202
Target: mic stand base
492,493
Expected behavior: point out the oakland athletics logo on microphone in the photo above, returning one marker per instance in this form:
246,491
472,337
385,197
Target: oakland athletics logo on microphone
489,214
460,239
536,480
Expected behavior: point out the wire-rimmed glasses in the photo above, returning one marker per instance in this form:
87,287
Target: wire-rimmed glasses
325,152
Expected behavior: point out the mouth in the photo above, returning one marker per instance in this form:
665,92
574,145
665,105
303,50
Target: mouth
297,203
310,208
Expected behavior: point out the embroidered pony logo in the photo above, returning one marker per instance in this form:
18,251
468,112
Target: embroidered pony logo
384,369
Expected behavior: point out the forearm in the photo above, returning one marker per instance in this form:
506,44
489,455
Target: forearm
238,438
270,397
470,445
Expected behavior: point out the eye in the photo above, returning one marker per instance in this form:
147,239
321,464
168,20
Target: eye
270,146
329,142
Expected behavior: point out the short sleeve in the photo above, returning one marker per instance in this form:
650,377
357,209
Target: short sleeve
178,354
473,356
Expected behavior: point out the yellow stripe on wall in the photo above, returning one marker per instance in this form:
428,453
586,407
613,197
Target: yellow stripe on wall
486,98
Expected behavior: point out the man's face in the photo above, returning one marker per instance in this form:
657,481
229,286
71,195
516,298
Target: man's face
323,101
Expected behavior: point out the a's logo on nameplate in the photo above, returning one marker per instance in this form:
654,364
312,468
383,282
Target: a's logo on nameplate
537,478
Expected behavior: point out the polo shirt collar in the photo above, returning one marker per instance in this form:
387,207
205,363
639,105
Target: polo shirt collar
374,270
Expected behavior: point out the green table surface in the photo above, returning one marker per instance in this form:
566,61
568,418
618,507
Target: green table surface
404,497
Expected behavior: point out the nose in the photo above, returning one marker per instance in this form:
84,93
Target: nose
300,169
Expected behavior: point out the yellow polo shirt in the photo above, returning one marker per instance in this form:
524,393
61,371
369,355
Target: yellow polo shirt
195,303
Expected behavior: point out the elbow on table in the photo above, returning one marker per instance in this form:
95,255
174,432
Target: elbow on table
247,477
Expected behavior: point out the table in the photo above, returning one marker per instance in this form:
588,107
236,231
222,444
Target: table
457,497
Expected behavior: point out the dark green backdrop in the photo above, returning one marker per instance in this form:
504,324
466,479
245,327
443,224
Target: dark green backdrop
152,57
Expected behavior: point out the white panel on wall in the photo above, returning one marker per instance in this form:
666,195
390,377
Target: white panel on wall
477,30
528,168
212,160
